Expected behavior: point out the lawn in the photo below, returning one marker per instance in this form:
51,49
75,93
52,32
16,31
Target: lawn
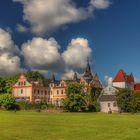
68,126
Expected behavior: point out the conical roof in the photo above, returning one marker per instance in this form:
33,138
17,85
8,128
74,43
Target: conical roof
75,77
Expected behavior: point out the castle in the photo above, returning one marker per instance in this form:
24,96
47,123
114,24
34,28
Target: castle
54,91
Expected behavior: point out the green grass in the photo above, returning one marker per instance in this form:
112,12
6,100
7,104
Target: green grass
68,126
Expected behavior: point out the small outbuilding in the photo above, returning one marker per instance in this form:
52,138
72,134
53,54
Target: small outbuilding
107,99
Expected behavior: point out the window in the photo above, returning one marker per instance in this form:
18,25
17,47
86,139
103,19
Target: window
21,91
38,92
57,91
24,83
108,104
61,91
41,92
19,83
114,104
45,92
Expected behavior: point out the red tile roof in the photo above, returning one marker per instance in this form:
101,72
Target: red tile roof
123,77
137,87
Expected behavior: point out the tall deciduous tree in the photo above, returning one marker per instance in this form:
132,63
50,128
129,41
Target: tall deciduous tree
79,100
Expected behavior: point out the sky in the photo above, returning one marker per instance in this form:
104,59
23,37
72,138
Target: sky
57,36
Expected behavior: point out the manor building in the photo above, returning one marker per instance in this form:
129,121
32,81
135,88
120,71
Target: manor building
53,91
107,99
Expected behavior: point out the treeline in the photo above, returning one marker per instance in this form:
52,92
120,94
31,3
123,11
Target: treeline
7,81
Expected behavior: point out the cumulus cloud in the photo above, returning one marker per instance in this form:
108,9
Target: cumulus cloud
21,28
47,15
76,54
100,4
6,43
9,64
68,75
9,54
108,80
42,54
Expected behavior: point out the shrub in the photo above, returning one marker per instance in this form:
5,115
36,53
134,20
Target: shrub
31,106
7,101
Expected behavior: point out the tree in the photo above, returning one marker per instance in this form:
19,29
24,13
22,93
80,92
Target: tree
78,100
75,98
135,102
7,101
35,75
123,100
9,81
2,85
128,101
74,88
75,102
91,99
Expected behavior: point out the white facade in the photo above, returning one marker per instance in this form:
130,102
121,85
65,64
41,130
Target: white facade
107,106
123,85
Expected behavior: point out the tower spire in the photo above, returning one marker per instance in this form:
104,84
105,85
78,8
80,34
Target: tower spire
87,72
53,78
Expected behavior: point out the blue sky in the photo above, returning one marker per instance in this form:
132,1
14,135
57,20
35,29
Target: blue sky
113,34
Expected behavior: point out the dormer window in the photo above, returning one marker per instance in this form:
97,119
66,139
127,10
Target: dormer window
24,83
